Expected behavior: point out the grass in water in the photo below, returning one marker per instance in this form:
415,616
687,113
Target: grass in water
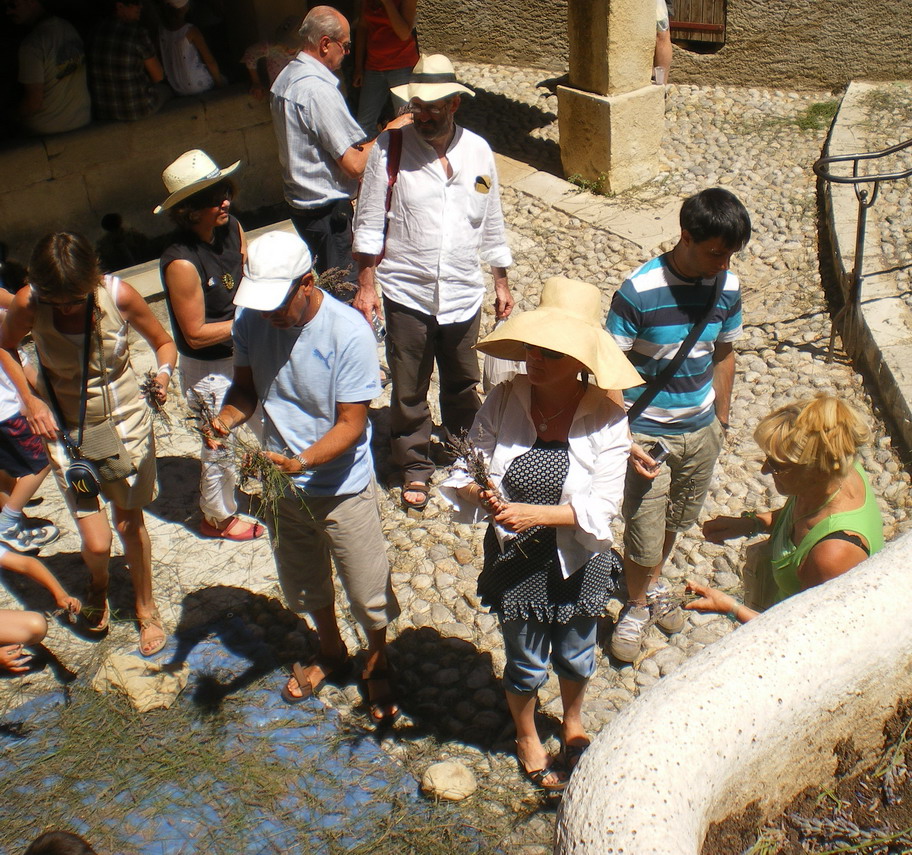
216,776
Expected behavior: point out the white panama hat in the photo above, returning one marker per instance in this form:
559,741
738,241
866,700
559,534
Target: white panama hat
193,171
431,79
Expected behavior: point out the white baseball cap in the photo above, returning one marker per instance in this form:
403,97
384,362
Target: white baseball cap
274,261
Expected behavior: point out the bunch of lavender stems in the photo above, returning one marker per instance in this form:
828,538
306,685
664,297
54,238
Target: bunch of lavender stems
471,461
149,390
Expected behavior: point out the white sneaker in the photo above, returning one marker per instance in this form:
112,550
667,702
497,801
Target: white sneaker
669,616
629,632
29,540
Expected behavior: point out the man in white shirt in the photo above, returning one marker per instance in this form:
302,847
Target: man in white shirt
423,247
319,142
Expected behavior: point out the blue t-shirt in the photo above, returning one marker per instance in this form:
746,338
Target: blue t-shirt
651,314
300,374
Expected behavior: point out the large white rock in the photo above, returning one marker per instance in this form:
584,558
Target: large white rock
448,780
753,717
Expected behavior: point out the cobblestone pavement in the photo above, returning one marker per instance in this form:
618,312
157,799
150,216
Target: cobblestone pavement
447,651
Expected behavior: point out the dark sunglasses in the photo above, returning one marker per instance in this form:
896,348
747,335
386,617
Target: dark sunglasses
776,466
544,351
62,304
214,197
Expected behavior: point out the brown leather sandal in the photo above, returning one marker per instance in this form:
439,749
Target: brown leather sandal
147,627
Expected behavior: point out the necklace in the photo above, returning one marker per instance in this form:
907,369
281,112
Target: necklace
542,426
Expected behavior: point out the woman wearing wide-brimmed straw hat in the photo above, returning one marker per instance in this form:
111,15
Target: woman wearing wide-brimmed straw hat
199,271
556,446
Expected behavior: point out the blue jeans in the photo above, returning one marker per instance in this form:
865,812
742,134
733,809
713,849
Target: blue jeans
375,89
530,644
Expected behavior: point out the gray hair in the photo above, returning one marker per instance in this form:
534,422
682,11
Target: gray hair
321,21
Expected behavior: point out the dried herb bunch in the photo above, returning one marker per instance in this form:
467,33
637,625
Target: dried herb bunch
472,462
149,390
333,282
243,453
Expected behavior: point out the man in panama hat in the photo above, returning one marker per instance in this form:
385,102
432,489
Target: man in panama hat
423,246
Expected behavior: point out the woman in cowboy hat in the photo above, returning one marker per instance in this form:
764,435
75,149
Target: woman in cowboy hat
556,443
199,271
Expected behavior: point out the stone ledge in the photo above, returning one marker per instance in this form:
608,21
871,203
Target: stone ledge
879,335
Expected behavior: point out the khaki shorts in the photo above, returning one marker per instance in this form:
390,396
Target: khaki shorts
314,531
672,501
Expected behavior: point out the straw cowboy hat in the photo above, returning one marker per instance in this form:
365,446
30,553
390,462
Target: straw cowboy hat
193,171
431,79
569,320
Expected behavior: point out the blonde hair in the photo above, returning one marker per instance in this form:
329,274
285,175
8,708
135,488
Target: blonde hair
823,433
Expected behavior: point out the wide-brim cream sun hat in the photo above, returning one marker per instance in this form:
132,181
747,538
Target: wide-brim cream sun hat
193,171
431,79
569,320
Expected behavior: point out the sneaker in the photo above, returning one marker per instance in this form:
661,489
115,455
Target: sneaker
672,621
29,540
629,632
666,614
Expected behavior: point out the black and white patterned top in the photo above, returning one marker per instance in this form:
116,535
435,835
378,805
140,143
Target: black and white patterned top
525,581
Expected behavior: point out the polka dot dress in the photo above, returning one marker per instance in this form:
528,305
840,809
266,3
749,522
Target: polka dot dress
525,581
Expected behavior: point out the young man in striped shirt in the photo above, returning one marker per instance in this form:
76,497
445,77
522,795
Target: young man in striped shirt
651,315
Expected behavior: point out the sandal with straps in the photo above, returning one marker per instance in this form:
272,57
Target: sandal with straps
96,603
382,705
146,627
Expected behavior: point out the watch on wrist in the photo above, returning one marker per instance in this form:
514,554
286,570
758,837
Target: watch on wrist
305,466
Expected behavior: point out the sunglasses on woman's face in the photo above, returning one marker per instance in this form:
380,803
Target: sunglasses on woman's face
215,197
776,466
544,351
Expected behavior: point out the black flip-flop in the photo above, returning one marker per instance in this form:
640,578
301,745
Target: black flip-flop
387,699
416,487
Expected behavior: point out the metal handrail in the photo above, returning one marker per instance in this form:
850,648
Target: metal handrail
865,201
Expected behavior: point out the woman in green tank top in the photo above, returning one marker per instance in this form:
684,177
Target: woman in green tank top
830,521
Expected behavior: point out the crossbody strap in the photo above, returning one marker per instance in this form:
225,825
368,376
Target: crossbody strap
71,447
661,380
393,159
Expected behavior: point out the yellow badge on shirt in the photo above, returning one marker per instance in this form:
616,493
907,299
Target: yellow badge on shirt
483,184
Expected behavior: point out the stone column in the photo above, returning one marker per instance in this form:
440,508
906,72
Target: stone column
611,117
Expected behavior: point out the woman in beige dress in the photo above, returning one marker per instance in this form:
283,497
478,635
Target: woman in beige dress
66,285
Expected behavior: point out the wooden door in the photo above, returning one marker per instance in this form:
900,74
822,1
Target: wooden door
698,20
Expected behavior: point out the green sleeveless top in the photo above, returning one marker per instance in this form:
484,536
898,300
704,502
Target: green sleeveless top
786,558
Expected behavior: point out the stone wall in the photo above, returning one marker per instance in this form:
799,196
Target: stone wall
769,42
70,181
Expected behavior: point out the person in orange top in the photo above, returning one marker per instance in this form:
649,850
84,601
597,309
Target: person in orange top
386,51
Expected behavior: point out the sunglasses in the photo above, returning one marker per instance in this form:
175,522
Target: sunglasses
432,109
776,466
544,351
346,46
215,197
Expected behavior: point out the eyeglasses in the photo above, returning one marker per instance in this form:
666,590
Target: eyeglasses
544,351
346,46
436,109
62,304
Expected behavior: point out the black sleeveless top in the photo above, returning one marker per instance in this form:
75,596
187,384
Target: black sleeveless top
220,269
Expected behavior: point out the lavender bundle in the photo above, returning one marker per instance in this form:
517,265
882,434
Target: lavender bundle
149,390
472,462
246,456
333,282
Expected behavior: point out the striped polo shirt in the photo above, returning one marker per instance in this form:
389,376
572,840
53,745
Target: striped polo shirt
651,314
